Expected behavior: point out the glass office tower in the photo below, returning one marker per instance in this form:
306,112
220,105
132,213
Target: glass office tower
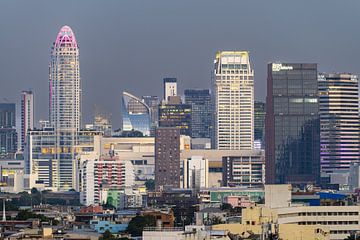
202,112
8,135
135,114
292,124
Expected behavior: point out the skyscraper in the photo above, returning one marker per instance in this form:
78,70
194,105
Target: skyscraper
292,124
153,104
233,84
167,157
27,115
201,113
174,113
8,135
259,121
170,88
135,114
65,104
339,121
64,83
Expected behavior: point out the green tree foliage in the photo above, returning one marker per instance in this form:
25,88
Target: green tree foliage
107,235
150,185
26,214
137,224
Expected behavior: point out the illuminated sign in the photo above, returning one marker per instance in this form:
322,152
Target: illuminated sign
276,67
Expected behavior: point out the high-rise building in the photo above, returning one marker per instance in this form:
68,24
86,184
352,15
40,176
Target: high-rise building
167,157
233,88
201,113
176,114
259,122
8,135
27,115
339,121
64,83
153,104
170,88
136,115
292,144
65,104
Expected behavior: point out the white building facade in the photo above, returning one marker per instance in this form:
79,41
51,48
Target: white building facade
233,89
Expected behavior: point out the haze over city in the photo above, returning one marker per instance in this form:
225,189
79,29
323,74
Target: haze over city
132,45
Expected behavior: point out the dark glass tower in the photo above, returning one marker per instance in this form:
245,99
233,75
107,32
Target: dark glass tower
8,135
292,124
259,120
201,118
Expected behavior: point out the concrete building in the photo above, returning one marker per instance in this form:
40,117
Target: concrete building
176,114
244,171
201,112
167,157
239,159
195,173
64,105
233,89
27,115
45,154
8,135
140,151
170,88
292,124
339,121
99,174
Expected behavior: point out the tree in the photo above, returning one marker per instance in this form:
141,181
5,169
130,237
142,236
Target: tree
107,235
150,184
138,223
26,214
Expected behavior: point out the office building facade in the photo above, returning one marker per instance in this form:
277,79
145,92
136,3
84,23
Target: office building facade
170,88
292,124
27,115
153,104
167,157
244,170
259,121
177,115
8,135
201,112
136,115
339,121
233,89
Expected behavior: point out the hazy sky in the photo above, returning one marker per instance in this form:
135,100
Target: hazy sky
131,45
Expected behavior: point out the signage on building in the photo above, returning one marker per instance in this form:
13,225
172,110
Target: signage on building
276,67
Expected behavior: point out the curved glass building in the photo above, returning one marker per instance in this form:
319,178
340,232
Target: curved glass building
135,114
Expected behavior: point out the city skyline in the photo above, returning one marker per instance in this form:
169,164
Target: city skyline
100,62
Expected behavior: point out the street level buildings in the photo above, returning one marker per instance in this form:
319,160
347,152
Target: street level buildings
233,88
292,124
